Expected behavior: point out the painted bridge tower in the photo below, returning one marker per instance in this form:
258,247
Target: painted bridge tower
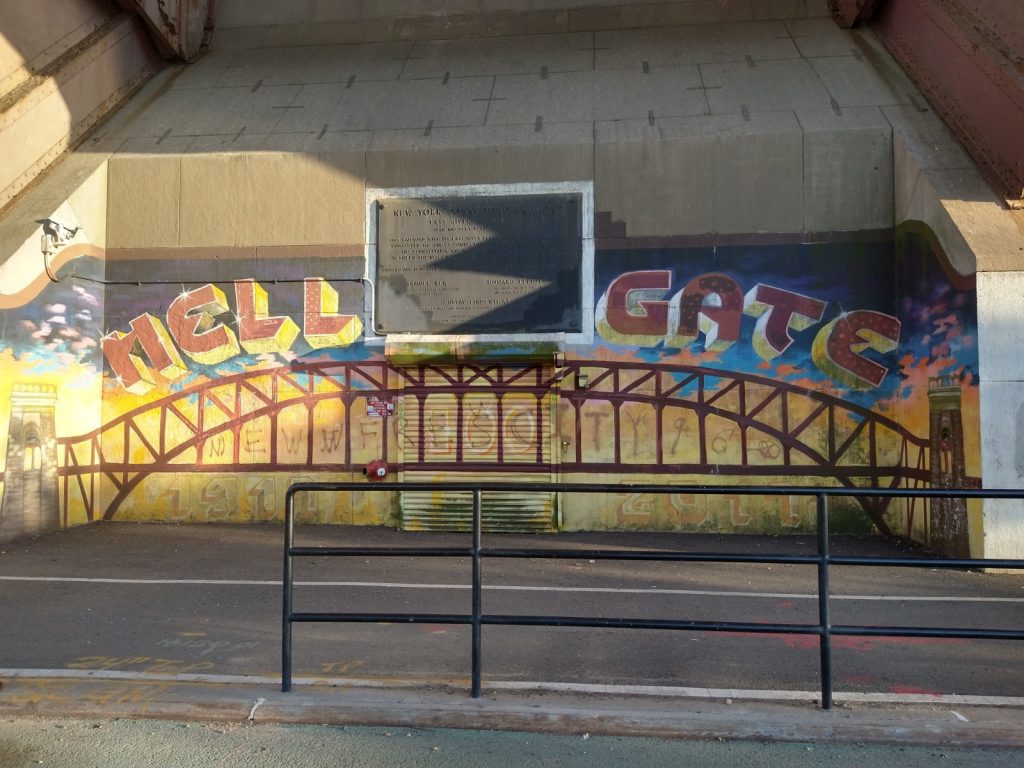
30,503
949,526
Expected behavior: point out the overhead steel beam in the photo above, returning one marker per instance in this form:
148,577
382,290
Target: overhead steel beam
967,57
181,28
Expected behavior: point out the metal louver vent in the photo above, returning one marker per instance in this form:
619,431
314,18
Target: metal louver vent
453,430
502,512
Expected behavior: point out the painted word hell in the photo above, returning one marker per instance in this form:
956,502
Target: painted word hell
153,348
635,310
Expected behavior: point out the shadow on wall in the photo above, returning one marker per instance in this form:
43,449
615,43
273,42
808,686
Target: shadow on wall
64,65
34,36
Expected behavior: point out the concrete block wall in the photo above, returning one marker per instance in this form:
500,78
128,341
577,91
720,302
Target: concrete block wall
686,177
266,23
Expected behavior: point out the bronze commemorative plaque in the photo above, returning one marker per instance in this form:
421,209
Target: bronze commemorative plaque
488,264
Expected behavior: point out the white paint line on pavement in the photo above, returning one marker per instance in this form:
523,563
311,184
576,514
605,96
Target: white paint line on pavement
667,691
520,588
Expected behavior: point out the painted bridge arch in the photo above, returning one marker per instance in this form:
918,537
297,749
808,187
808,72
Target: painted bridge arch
696,421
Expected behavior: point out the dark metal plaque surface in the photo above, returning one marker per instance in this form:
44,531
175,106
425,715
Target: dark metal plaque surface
508,264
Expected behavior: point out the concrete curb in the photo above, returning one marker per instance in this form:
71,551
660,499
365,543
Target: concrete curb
912,724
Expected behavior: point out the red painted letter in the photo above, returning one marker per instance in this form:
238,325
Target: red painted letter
626,313
191,320
712,304
324,327
777,311
258,332
124,352
838,346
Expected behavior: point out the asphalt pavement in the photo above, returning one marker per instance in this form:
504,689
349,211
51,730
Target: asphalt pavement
123,620
150,744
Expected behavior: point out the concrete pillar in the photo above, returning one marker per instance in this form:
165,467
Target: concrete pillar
1000,321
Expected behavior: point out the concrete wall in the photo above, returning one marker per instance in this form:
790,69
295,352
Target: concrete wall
36,34
263,23
63,67
777,180
50,369
937,183
764,154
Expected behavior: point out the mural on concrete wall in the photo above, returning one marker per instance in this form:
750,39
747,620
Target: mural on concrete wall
821,363
50,372
811,363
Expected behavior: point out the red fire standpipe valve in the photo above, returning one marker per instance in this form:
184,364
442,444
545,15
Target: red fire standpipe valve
376,470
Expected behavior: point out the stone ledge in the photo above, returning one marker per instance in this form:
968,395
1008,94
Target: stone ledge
243,24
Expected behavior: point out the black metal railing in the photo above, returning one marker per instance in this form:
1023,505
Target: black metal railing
823,559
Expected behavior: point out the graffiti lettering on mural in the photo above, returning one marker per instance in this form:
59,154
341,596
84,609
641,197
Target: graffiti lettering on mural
213,500
778,312
262,494
790,369
307,507
795,510
691,509
331,439
636,310
402,438
437,430
680,430
637,418
521,426
217,446
293,440
198,325
481,428
479,435
685,511
633,310
723,438
369,431
738,515
254,445
170,495
637,508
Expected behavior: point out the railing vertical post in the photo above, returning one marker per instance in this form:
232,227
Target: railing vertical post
287,584
825,639
477,593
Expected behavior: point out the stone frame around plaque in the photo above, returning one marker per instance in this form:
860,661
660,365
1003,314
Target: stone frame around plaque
581,191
